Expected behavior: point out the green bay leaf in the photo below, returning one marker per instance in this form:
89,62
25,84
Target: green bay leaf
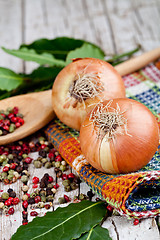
31,55
63,224
96,233
86,51
9,80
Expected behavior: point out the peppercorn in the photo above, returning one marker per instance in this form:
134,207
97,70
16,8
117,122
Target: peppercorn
24,214
37,164
42,184
62,168
82,196
31,201
43,153
43,199
5,195
48,192
19,169
33,195
25,197
90,194
57,164
59,174
25,188
49,198
53,190
48,165
1,205
67,188
10,190
44,160
73,186
66,182
40,205
47,206
61,200
50,185
24,179
12,194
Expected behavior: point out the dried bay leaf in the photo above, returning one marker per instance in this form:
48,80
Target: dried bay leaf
63,224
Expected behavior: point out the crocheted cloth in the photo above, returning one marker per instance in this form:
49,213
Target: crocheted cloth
136,194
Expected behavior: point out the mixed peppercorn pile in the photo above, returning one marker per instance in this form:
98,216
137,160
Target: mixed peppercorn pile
15,161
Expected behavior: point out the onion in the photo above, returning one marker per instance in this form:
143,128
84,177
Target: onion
119,136
82,83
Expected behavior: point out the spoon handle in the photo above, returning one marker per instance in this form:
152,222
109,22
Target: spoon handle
136,63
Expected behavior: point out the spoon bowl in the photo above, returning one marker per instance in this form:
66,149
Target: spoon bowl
36,109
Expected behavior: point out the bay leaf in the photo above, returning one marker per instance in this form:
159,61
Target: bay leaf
96,233
32,55
9,80
63,224
58,47
86,50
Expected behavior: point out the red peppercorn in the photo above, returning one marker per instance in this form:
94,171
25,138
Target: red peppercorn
5,169
50,179
28,160
3,115
71,176
6,122
47,206
15,110
136,222
43,146
25,204
35,186
64,176
51,155
28,195
15,201
14,119
67,199
37,199
11,211
17,124
6,127
110,208
10,115
34,214
10,199
58,158
13,166
25,223
35,180
56,186
8,203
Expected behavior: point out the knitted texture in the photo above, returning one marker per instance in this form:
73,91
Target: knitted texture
136,194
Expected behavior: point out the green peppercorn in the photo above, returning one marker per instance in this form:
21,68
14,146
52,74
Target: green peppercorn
24,155
48,165
42,193
10,156
5,195
50,185
9,109
66,182
33,195
1,132
67,188
63,168
49,198
82,196
39,159
5,162
41,139
24,179
43,199
40,205
57,164
44,160
36,191
73,186
19,115
5,209
12,127
11,171
46,149
37,164
10,176
4,175
53,163
61,200
4,157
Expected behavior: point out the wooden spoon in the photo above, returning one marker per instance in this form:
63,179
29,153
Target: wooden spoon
37,107
37,111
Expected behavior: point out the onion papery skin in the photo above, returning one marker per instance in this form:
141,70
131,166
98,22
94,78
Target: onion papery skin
73,116
123,153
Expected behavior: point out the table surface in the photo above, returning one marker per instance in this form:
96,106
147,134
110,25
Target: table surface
117,26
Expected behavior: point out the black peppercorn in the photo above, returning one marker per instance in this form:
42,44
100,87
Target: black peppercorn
42,153
12,194
90,194
10,190
19,169
31,201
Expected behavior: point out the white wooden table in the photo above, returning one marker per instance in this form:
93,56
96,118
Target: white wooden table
117,26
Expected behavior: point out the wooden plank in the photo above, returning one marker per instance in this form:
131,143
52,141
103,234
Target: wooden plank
120,229
10,32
